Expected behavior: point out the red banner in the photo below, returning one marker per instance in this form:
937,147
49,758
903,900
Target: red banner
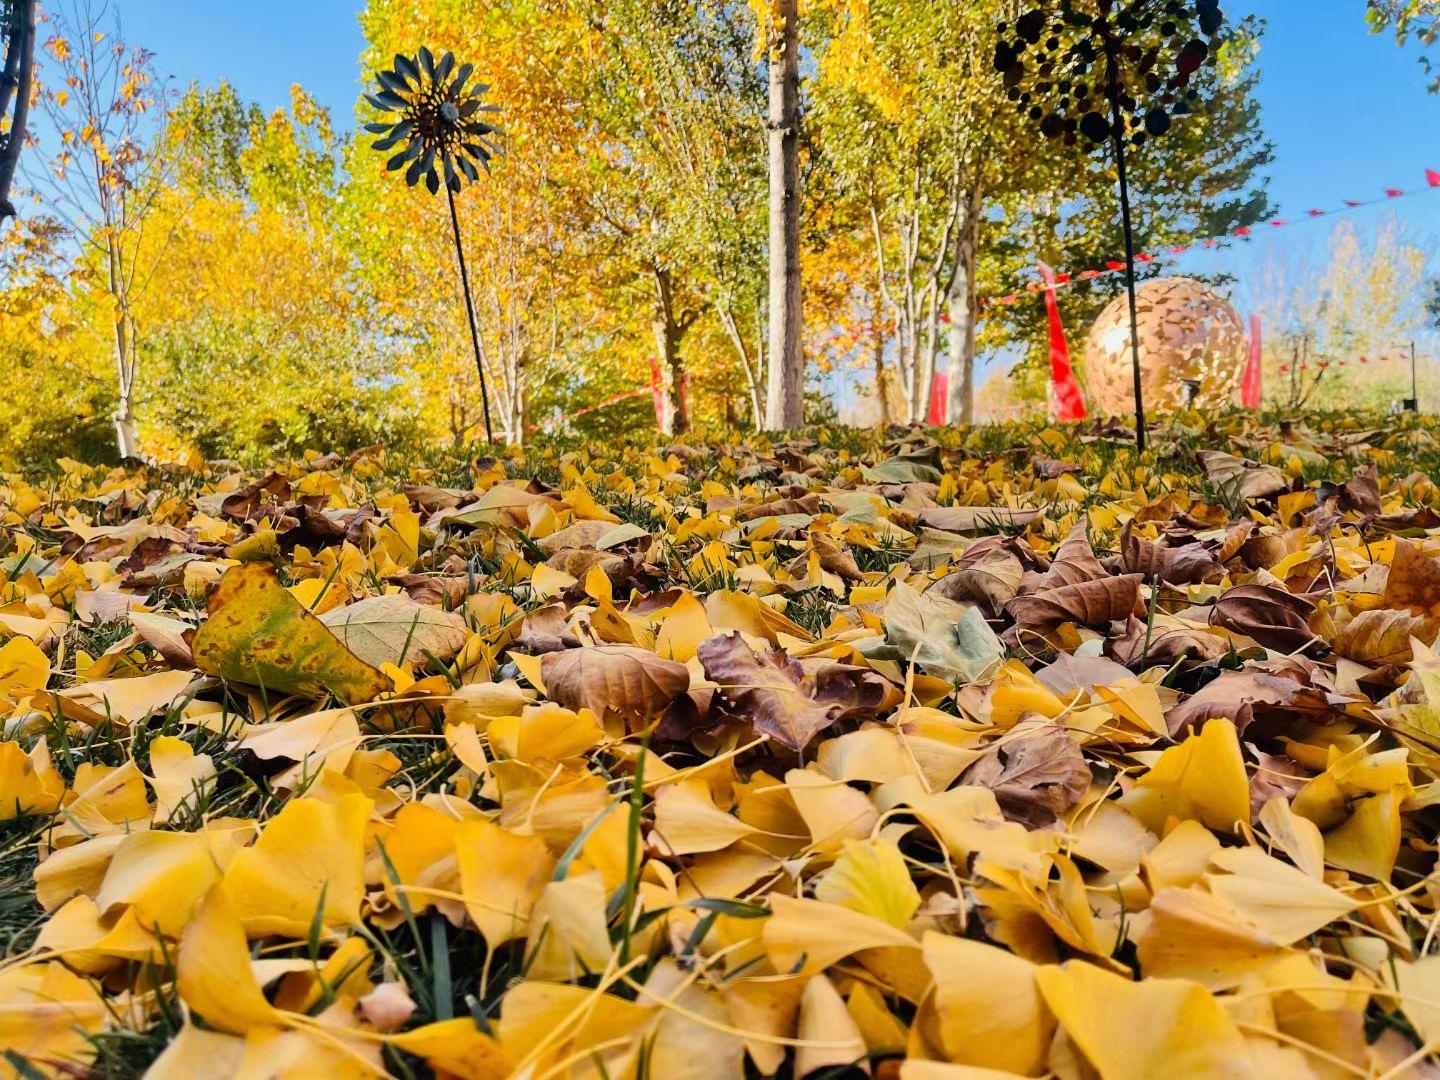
939,398
1069,402
1250,381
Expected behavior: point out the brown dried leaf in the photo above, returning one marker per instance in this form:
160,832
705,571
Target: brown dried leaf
1237,476
1276,695
767,690
1090,603
1273,617
1036,777
624,679
1383,637
1414,580
1163,645
1189,564
991,582
1074,562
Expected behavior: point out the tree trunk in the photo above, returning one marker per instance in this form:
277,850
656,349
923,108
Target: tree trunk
15,80
962,300
126,353
668,330
749,366
785,404
126,438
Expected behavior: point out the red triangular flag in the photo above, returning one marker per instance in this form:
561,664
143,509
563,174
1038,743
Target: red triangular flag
1393,192
1276,223
939,397
1250,381
1352,203
1432,177
1144,257
1243,230
1316,213
1069,402
1113,265
1179,249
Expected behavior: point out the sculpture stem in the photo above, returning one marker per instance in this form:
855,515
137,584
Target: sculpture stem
1117,138
470,312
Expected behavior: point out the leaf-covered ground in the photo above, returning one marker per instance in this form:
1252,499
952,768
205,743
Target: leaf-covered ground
939,755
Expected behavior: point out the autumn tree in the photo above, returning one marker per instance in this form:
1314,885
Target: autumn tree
259,337
105,111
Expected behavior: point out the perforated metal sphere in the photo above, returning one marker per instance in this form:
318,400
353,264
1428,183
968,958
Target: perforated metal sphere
1187,331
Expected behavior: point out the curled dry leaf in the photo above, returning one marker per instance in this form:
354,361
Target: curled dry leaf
1239,477
1380,636
991,581
1188,564
622,679
1273,617
1094,603
769,690
1163,642
1035,777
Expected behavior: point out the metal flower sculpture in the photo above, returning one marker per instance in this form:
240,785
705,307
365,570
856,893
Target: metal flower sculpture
1110,71
443,133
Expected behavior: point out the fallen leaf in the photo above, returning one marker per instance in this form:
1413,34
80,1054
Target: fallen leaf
258,633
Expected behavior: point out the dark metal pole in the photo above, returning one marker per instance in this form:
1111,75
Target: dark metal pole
470,312
1117,139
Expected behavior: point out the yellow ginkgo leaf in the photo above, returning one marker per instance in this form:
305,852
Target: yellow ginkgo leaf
682,629
985,1008
309,857
106,801
828,1036
180,778
1196,935
1286,903
28,782
212,969
687,821
196,1053
47,1014
124,701
1368,842
808,935
568,935
24,670
544,1021
1181,858
834,812
501,877
455,1048
1202,779
160,875
870,876
1296,836
1186,1032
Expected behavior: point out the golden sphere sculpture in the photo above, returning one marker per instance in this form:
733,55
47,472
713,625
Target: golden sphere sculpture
1192,345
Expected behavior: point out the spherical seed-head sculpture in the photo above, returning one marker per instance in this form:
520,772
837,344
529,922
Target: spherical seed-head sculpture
1188,334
